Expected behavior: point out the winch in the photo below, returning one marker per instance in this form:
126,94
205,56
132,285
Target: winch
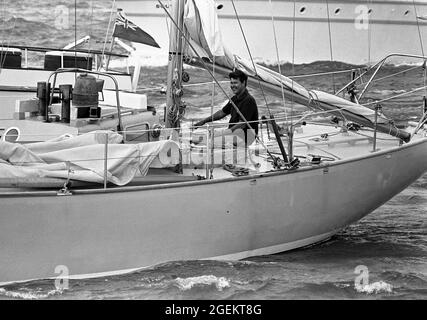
85,96
79,102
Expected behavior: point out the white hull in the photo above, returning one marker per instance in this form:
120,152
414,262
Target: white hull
356,36
104,231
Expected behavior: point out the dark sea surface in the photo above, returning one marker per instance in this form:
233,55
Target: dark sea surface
390,244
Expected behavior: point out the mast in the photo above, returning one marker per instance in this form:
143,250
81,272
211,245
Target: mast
174,83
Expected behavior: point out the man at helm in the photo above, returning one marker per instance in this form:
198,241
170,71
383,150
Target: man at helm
247,107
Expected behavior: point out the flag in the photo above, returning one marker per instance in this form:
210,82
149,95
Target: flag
126,29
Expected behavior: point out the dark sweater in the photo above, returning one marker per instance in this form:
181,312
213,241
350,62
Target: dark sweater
247,106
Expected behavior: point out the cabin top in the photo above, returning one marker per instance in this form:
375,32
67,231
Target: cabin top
17,57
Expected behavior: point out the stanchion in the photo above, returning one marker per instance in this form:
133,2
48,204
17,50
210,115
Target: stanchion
377,109
105,160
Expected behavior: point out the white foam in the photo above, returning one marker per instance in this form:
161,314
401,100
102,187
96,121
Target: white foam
389,92
417,62
160,59
29,295
374,288
188,283
145,60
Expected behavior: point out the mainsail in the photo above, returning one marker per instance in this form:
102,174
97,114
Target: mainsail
202,27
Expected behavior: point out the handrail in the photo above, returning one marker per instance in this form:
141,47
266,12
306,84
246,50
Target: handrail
64,70
46,49
377,67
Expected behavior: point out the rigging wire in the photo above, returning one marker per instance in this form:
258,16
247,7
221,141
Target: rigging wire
389,76
108,30
250,55
422,45
418,27
277,56
213,87
211,168
90,32
322,73
168,26
213,72
330,43
369,34
3,24
290,129
75,35
422,49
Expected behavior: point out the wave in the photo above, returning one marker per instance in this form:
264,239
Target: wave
145,60
15,32
20,26
421,183
386,92
150,57
29,294
205,280
374,288
408,280
406,64
159,58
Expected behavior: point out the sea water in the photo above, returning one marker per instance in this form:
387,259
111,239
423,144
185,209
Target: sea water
383,256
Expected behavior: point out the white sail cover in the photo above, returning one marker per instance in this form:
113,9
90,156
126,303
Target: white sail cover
82,158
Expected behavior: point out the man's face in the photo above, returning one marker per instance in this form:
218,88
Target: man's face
236,86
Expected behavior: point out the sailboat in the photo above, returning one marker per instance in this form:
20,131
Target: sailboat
100,204
24,70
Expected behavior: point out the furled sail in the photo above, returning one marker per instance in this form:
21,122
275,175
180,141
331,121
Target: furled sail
201,23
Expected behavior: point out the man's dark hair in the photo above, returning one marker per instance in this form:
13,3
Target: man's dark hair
237,74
